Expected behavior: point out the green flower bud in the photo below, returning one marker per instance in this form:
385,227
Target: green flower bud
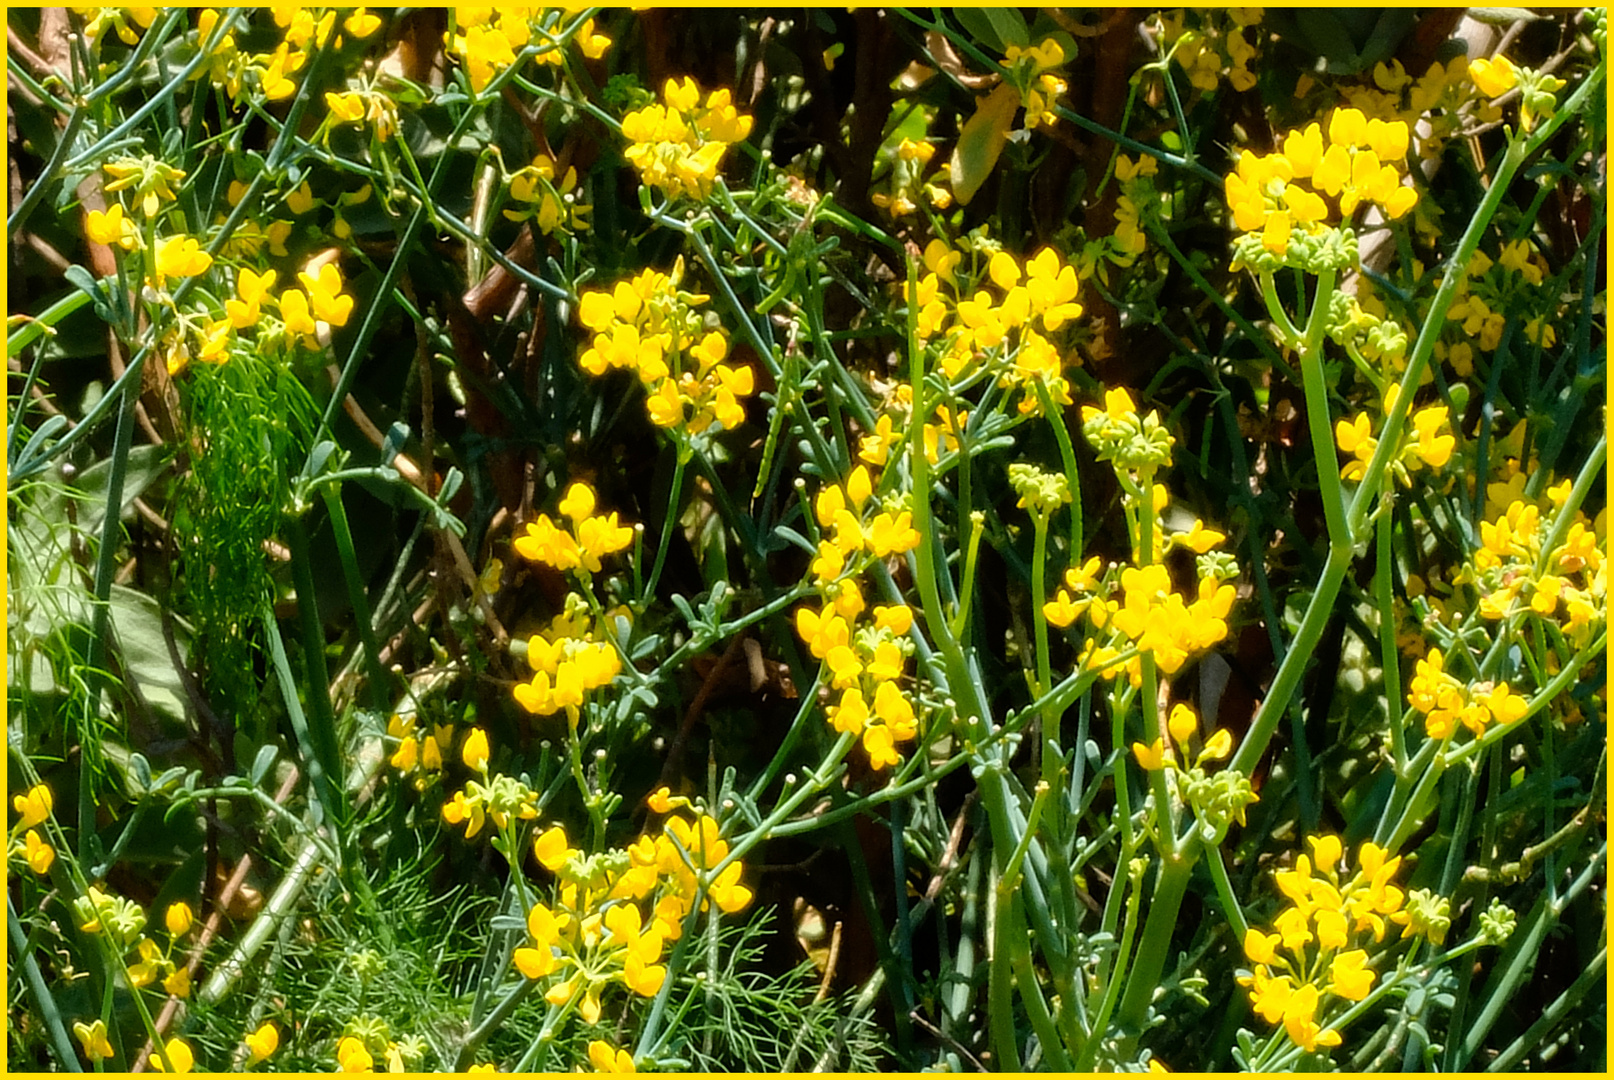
1041,493
1429,914
1496,923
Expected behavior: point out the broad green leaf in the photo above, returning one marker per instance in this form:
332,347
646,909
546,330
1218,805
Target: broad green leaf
981,141
144,653
995,27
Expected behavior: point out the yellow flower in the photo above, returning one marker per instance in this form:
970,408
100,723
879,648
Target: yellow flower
178,918
351,1056
325,294
178,983
475,751
111,227
1349,976
551,849
1493,77
93,1038
1260,948
37,854
181,256
262,1042
179,1054
1182,723
607,1059
1151,757
34,806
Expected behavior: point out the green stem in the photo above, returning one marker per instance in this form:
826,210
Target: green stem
1389,655
1000,983
63,1045
682,452
1172,884
100,643
379,681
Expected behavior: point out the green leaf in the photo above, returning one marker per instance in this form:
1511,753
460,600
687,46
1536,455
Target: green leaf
995,27
981,142
147,664
146,464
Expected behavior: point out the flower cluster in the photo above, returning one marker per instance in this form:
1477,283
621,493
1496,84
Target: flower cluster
1218,799
864,663
98,20
908,184
1489,287
1138,200
1009,333
503,799
1030,70
490,38
649,326
1429,443
543,201
565,669
1211,50
580,548
1446,701
1570,584
419,753
122,923
1357,162
1152,619
597,933
1144,615
1319,951
679,145
33,807
939,435
303,34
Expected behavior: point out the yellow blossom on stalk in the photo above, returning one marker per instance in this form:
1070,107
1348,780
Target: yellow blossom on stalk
111,227
262,1043
475,751
677,146
607,1059
352,1057
362,23
591,45
179,1054
181,256
648,325
591,537
1353,160
1151,757
325,294
34,805
37,853
548,204
92,1037
98,20
1493,77
487,48
1041,87
178,918
252,289
275,75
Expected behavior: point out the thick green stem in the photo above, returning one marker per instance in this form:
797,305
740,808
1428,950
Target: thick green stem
1170,887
